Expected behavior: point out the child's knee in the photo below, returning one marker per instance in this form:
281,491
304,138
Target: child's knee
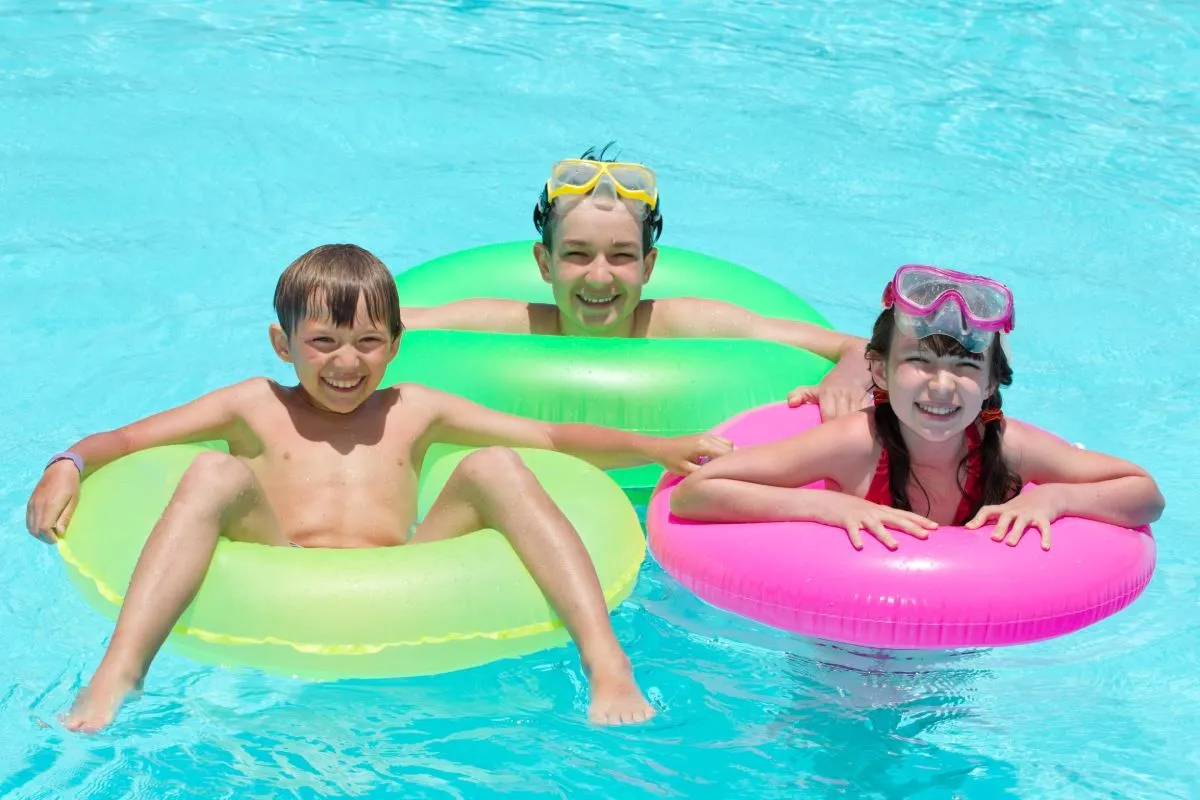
218,475
491,465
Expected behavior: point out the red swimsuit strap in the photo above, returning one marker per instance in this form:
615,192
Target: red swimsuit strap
880,491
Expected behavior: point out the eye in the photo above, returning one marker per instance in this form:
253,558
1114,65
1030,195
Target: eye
971,365
916,360
322,340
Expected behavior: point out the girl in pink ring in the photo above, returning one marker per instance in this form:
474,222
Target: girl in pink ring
936,448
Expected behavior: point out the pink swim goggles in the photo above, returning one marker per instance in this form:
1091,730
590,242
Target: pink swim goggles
969,308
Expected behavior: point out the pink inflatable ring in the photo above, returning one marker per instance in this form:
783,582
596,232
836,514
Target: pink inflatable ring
956,589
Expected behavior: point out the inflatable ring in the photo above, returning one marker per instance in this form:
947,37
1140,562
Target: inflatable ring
665,387
378,612
956,589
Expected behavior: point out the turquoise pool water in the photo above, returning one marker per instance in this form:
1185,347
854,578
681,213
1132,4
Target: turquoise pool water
161,162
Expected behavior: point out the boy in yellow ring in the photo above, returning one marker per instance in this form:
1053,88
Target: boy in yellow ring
333,462
599,220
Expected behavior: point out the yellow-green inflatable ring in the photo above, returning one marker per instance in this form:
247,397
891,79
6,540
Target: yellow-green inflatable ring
323,613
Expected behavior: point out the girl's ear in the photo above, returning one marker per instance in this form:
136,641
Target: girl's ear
878,371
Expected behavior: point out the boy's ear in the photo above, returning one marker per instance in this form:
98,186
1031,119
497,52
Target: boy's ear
542,255
650,260
279,342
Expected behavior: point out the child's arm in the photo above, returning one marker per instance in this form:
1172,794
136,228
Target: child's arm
761,484
495,315
210,417
843,390
693,317
459,421
1070,482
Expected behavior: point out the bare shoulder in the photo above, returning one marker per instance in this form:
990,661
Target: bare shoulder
842,442
250,394
854,433
684,317
413,399
541,318
477,314
1027,448
1019,438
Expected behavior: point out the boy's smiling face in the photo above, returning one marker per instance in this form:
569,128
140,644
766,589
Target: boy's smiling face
596,268
338,367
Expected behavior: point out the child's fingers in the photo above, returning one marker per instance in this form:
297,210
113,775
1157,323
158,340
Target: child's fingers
881,533
907,523
1044,526
801,395
64,519
38,523
1004,521
855,535
828,406
981,517
1018,530
722,445
44,533
924,522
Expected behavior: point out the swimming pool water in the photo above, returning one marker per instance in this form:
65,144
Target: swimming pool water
160,163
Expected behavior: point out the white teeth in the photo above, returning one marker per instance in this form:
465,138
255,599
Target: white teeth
940,411
597,301
343,384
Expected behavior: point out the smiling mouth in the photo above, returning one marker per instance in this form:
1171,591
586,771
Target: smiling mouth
343,386
939,410
588,300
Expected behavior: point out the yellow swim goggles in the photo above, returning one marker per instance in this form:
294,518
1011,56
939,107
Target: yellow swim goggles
579,176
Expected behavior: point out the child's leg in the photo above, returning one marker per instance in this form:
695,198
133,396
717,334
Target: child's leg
492,488
217,491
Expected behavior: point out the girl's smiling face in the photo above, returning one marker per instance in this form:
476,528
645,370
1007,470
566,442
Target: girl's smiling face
935,386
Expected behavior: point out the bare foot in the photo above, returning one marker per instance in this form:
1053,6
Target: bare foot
96,704
616,698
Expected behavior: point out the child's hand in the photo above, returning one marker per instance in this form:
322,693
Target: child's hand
845,388
856,515
53,502
1034,508
684,455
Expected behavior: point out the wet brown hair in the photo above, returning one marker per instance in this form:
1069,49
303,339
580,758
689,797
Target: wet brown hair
329,280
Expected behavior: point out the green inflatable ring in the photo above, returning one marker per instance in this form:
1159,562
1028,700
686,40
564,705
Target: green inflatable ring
666,387
322,613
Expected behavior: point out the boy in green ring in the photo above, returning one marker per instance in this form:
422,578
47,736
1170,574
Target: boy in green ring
599,220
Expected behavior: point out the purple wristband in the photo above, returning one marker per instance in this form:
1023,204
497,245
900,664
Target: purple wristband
67,455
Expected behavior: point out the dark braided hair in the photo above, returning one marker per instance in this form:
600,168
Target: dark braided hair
545,218
999,483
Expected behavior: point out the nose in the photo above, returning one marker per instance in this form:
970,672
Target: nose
599,274
345,357
942,382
